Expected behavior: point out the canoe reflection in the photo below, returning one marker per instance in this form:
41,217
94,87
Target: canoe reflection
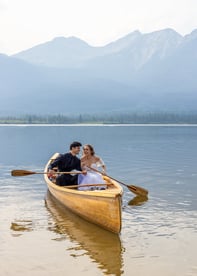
102,246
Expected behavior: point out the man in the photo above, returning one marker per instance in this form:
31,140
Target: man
66,163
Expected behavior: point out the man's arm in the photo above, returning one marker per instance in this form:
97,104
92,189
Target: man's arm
55,163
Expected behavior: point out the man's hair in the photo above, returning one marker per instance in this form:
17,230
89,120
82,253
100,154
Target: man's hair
75,144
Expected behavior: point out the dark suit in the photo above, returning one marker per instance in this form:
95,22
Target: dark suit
66,163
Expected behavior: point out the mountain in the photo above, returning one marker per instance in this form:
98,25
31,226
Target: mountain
139,72
26,88
131,52
60,52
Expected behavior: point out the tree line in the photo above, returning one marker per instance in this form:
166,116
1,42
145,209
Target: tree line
110,118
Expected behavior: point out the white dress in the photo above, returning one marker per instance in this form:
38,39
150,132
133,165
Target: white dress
91,177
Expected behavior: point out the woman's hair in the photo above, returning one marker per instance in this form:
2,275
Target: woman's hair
90,147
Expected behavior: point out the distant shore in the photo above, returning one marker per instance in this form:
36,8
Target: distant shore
115,118
97,125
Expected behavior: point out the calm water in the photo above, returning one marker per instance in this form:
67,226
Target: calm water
159,234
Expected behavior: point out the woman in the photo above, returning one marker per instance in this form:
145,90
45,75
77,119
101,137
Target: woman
89,159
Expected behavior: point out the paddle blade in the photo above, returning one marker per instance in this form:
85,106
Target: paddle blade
21,173
137,190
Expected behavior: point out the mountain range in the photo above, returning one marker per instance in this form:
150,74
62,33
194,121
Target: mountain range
138,73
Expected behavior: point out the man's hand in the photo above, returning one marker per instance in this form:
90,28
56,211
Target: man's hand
51,171
51,174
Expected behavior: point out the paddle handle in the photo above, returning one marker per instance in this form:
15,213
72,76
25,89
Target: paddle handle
61,172
25,172
104,174
135,189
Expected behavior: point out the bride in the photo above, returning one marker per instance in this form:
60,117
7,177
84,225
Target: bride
89,159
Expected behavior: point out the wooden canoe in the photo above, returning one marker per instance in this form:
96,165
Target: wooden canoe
101,207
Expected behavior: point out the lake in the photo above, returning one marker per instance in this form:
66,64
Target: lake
159,234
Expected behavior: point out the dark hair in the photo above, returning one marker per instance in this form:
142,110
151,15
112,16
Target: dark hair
75,144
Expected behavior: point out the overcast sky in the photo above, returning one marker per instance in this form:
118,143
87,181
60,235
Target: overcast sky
26,23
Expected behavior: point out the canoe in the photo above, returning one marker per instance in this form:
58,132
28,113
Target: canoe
101,207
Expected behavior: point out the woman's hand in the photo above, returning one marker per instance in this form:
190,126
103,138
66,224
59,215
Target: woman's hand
84,172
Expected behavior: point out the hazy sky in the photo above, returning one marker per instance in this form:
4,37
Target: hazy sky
26,23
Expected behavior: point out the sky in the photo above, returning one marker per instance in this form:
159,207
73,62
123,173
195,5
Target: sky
27,23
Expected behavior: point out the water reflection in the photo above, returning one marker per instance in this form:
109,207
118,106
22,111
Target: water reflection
101,246
21,225
138,200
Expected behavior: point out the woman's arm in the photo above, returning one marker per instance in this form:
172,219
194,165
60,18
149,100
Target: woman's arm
101,164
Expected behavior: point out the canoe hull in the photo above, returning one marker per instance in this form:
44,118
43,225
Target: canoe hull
102,207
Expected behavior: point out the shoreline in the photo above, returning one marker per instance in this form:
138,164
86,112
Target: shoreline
92,124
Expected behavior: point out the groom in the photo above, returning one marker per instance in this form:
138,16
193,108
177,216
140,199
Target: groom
66,163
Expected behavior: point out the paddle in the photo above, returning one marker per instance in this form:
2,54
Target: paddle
25,173
135,189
